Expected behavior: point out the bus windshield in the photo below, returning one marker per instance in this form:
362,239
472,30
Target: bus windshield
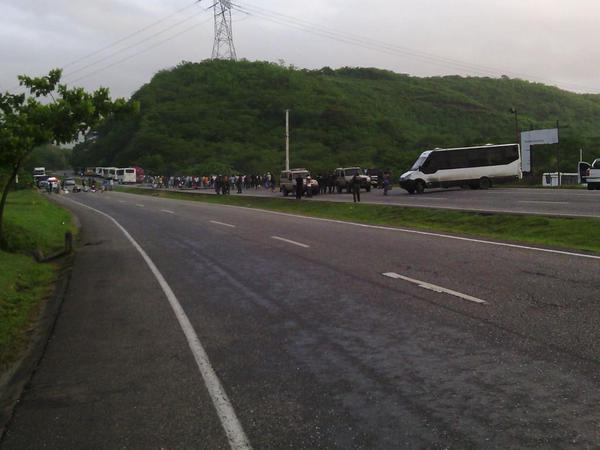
419,162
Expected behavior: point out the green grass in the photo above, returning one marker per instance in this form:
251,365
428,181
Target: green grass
558,232
31,223
24,283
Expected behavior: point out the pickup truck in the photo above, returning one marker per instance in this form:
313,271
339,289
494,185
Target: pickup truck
590,174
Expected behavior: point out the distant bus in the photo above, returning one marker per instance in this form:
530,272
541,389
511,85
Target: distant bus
39,171
476,167
126,175
109,173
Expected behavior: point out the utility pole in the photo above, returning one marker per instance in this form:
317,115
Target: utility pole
223,47
516,113
287,139
558,152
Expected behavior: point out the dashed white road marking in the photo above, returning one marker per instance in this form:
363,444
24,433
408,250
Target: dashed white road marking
222,224
435,288
231,424
139,205
168,211
417,232
122,201
299,244
540,201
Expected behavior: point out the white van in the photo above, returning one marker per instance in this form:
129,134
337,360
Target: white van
476,167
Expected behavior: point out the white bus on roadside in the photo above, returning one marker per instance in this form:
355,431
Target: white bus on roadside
126,175
109,173
476,167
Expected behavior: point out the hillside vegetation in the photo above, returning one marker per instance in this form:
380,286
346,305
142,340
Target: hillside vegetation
220,116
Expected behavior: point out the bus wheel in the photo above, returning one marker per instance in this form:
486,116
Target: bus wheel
419,187
410,190
485,183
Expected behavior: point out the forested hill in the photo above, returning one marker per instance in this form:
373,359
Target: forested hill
219,116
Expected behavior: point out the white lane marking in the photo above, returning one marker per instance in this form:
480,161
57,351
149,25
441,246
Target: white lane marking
122,201
404,230
139,205
222,224
168,211
433,198
540,201
435,288
290,242
232,426
421,233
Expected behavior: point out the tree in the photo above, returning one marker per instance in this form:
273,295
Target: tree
50,112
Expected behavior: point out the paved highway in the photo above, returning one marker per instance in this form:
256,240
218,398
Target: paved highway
321,334
553,202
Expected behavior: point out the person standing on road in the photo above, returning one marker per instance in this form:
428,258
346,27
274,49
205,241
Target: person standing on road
386,183
355,184
299,186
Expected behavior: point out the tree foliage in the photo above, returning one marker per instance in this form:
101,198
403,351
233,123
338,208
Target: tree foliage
50,112
231,114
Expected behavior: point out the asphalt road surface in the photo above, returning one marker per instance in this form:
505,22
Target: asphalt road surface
553,202
321,334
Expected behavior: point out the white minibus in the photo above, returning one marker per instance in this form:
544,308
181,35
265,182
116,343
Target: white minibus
476,167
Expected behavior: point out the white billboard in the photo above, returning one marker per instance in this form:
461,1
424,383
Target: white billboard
535,137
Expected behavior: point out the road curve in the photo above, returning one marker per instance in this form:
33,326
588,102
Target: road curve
323,335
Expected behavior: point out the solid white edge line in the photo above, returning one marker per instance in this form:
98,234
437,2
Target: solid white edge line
543,201
222,223
232,426
404,230
421,233
290,242
435,288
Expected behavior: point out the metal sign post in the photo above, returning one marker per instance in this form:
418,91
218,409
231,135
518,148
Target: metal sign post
535,137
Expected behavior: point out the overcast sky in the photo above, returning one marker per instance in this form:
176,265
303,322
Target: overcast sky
549,41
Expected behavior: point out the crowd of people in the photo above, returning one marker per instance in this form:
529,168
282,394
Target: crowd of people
222,184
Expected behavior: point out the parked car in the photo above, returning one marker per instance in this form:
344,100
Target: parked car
343,178
287,182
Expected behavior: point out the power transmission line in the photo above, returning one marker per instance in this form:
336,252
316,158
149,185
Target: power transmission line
133,55
136,44
121,40
385,47
129,36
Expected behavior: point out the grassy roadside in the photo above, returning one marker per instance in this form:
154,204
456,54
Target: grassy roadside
567,233
31,223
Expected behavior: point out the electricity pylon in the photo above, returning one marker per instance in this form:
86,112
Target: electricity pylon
223,47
